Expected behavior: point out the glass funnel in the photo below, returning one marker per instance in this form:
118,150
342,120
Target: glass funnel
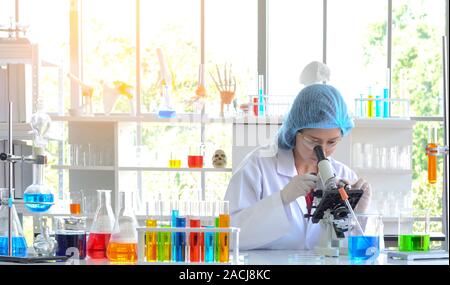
19,245
102,226
123,243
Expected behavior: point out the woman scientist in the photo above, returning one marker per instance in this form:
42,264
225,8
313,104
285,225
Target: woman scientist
267,191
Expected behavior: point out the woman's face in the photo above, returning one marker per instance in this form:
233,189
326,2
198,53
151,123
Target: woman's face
307,139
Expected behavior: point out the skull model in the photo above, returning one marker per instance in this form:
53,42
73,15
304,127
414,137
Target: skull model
219,159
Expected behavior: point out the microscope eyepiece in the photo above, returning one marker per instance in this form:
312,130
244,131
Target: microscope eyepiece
319,152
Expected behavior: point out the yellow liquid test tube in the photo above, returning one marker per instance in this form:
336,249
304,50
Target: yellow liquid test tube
370,107
150,241
224,238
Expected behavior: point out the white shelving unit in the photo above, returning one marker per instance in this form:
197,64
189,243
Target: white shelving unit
106,130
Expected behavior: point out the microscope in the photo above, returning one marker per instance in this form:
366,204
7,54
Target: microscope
330,210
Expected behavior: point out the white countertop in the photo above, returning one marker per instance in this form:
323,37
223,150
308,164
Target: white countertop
279,257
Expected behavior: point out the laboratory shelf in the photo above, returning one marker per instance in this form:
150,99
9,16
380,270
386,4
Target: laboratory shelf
137,168
70,167
387,171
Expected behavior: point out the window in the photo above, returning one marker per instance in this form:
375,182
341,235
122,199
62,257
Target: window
295,34
357,47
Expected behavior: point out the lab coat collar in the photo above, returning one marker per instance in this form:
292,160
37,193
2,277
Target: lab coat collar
285,163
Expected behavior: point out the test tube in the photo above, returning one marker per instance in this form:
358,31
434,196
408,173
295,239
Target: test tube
432,158
150,237
378,106
224,238
174,215
208,222
179,243
370,104
164,238
261,112
216,235
194,238
385,102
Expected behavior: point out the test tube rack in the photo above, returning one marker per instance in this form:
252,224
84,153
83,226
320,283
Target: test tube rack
361,107
234,242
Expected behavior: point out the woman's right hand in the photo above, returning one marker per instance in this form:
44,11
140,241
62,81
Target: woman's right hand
300,185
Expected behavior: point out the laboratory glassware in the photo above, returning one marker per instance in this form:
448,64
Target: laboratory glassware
38,192
70,234
19,244
44,244
122,246
370,103
102,226
164,239
179,242
195,157
208,222
174,162
151,237
363,246
378,106
195,243
165,109
76,202
224,238
432,155
413,230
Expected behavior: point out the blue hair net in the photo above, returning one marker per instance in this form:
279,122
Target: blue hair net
317,106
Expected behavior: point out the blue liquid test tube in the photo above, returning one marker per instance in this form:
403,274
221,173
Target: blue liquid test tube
386,103
180,241
209,245
261,103
377,106
174,224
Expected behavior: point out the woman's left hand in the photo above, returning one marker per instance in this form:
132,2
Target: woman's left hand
364,201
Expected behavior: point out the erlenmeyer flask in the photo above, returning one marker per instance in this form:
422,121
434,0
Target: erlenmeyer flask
123,244
19,245
38,192
102,226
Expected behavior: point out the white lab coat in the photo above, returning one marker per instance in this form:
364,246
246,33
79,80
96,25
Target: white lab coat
256,206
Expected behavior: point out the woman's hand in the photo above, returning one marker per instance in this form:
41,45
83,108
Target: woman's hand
364,201
300,185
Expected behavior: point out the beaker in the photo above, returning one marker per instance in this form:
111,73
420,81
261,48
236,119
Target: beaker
174,161
195,157
38,192
70,234
102,226
432,152
123,244
224,238
19,244
364,246
413,230
76,201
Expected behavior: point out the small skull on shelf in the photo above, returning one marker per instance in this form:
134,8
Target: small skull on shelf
219,159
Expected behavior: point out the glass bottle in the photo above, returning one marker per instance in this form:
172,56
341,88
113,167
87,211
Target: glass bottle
123,244
19,244
38,192
44,244
102,226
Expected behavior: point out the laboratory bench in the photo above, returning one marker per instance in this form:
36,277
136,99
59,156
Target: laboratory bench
274,257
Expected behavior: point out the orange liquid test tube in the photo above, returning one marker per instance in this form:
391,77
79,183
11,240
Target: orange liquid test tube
432,158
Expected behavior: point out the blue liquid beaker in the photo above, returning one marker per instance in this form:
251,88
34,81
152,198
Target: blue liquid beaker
363,247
